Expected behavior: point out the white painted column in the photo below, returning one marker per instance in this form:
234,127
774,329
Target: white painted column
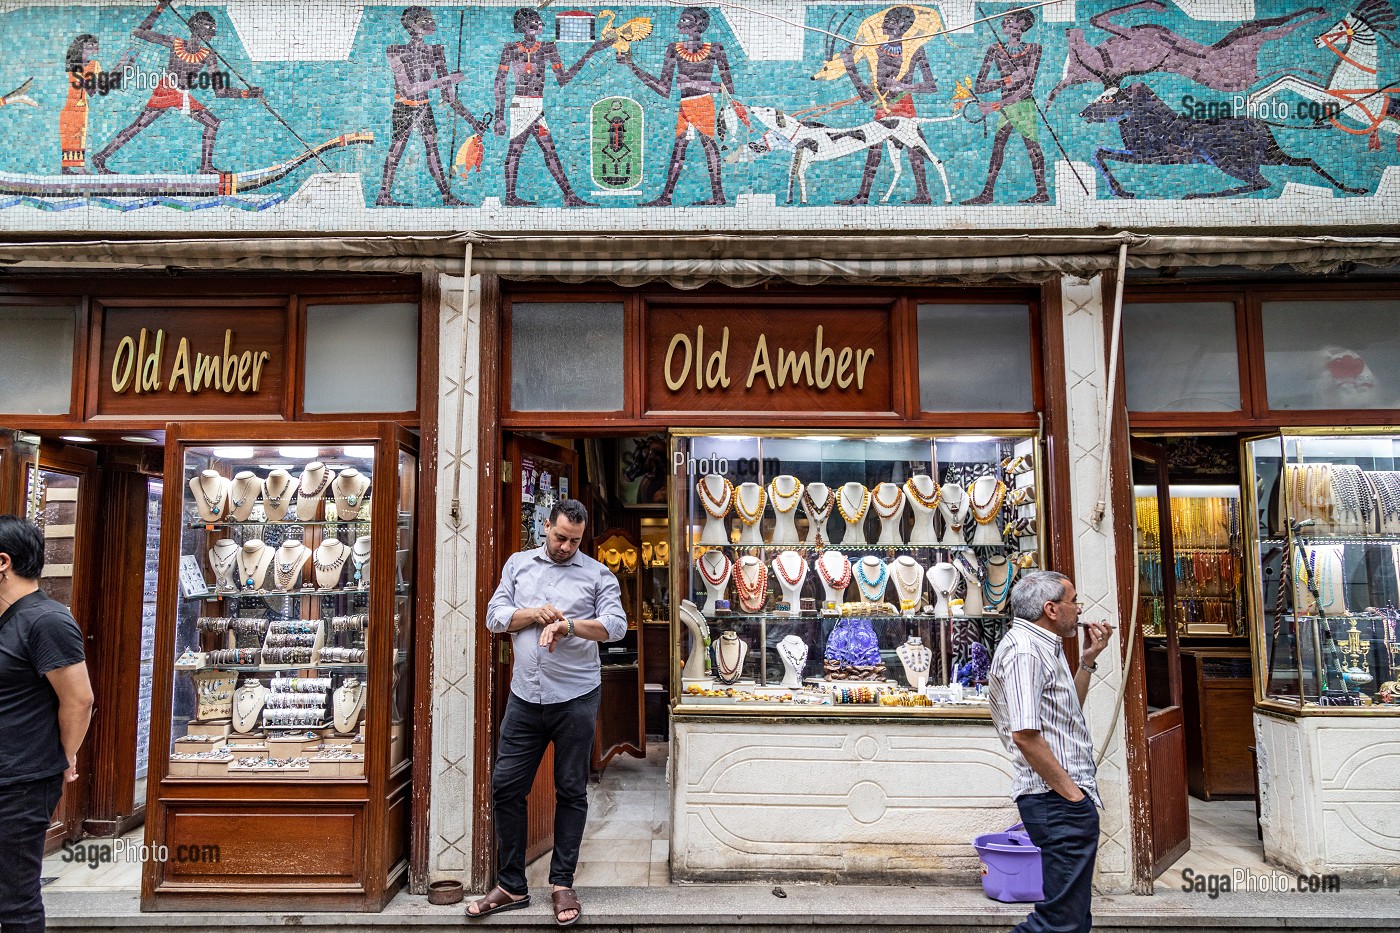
1095,555
455,631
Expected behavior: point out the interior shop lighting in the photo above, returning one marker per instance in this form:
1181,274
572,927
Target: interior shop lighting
234,453
139,439
892,439
299,453
360,453
77,438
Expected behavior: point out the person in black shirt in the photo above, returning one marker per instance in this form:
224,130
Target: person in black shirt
45,707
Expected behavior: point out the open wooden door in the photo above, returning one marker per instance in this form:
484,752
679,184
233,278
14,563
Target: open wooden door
1165,732
540,474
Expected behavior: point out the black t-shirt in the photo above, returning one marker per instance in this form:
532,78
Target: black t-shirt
37,635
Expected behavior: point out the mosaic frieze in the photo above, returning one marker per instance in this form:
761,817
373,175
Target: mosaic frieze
333,114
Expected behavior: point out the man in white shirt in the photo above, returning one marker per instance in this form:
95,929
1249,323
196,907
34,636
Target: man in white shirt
557,604
1038,709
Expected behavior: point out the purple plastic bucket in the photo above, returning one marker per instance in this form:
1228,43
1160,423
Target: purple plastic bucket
1010,866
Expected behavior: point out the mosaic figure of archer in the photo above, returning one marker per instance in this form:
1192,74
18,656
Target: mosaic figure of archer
892,92
188,59
694,62
528,60
1016,63
84,71
420,68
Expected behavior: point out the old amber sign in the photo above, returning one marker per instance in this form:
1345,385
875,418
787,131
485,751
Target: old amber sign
202,362
772,361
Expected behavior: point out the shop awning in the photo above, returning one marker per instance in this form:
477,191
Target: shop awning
692,261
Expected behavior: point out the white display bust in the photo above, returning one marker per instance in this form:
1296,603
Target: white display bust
243,495
253,560
311,486
750,502
915,657
1001,573
349,489
716,496
943,577
791,570
954,508
751,584
287,564
359,560
277,494
793,652
852,500
785,492
715,570
923,496
834,570
347,704
693,671
872,578
328,562
818,501
887,499
727,656
210,495
248,702
908,578
971,571
985,496
223,560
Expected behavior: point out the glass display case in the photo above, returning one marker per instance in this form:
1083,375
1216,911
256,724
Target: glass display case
1325,533
286,627
1206,549
865,573
621,717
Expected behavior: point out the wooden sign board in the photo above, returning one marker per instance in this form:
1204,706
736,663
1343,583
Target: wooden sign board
769,361
205,363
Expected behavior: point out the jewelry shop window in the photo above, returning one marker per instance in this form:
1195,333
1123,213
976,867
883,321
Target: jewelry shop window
836,572
1325,525
975,357
36,360
567,356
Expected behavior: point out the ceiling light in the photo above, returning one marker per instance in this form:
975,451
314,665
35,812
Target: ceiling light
299,453
234,453
78,438
139,439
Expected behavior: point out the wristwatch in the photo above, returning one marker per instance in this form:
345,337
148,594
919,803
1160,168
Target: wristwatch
1091,665
570,632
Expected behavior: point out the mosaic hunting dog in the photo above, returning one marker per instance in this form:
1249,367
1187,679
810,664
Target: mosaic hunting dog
816,142
1154,134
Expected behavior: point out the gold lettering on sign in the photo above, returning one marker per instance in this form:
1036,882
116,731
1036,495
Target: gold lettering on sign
709,374
816,367
138,364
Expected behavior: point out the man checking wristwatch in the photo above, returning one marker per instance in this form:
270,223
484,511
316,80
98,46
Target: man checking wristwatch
557,604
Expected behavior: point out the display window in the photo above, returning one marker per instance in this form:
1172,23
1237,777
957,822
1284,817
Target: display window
842,573
1325,531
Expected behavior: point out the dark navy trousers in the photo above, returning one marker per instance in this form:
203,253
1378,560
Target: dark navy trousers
1068,837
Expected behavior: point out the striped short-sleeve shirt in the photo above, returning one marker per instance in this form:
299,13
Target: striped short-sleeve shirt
1031,688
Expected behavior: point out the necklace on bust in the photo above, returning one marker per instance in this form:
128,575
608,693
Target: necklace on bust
955,509
304,493
275,499
612,559
837,583
915,656
899,578
984,513
725,568
287,566
727,670
795,654
784,502
240,490
752,593
794,576
716,506
871,589
885,509
817,513
928,502
662,552
854,516
335,563
741,508
216,503
629,560
222,564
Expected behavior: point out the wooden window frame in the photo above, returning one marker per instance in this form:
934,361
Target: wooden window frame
300,303
903,309
80,306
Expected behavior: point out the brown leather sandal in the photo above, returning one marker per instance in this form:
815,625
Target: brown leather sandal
566,900
496,901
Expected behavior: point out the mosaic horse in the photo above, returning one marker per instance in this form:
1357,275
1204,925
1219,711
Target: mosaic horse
1352,99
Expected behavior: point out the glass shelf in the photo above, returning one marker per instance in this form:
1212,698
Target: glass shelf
290,523
399,591
817,617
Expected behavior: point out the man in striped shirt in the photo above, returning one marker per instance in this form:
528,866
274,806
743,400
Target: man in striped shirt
1038,708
